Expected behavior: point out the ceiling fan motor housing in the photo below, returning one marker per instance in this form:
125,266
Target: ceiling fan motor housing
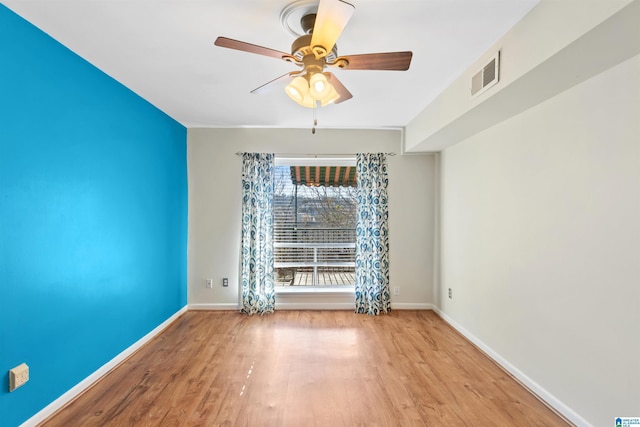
307,22
301,47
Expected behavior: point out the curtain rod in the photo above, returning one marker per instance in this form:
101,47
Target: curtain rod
239,153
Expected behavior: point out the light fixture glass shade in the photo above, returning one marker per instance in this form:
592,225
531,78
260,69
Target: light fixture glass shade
331,97
298,89
319,87
308,101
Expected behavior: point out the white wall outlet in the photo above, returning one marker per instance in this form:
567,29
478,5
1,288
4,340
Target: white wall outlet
225,282
18,376
396,290
209,283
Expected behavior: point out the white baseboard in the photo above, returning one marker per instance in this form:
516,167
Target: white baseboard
347,306
411,306
546,397
76,390
223,307
312,306
315,306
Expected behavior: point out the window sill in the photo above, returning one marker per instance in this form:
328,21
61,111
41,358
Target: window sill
315,290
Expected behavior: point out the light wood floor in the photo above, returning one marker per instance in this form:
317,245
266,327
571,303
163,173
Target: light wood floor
307,368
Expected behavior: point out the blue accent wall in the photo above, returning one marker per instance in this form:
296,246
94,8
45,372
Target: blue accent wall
93,217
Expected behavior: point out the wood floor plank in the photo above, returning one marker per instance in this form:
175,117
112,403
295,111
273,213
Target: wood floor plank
307,368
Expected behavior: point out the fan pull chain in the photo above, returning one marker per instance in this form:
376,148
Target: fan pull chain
315,120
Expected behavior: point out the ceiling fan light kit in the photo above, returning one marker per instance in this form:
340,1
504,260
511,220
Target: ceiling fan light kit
297,89
319,87
331,97
310,89
315,50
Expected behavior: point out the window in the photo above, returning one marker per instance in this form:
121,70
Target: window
314,222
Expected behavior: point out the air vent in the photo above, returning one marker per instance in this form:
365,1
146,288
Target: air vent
487,76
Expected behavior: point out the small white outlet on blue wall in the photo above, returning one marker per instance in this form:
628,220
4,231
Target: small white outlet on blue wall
18,376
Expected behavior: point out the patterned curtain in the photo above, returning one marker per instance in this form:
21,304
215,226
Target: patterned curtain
258,293
372,235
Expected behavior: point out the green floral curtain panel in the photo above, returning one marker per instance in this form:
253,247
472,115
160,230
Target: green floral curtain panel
258,293
372,235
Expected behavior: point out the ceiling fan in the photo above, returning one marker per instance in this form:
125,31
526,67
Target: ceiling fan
316,50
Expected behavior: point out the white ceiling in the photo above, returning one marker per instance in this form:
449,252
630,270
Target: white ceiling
163,50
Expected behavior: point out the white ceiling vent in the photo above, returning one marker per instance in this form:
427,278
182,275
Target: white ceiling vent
487,76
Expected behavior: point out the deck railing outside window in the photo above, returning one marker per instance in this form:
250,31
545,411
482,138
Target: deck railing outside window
315,257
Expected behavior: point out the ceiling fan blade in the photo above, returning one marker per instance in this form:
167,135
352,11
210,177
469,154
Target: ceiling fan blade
391,61
331,18
278,81
339,87
248,47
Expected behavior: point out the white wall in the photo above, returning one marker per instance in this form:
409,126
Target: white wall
541,243
215,199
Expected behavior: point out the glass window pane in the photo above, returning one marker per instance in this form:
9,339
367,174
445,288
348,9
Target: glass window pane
314,230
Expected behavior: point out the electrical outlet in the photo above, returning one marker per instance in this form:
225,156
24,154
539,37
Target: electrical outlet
18,376
225,282
396,290
209,283
450,294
